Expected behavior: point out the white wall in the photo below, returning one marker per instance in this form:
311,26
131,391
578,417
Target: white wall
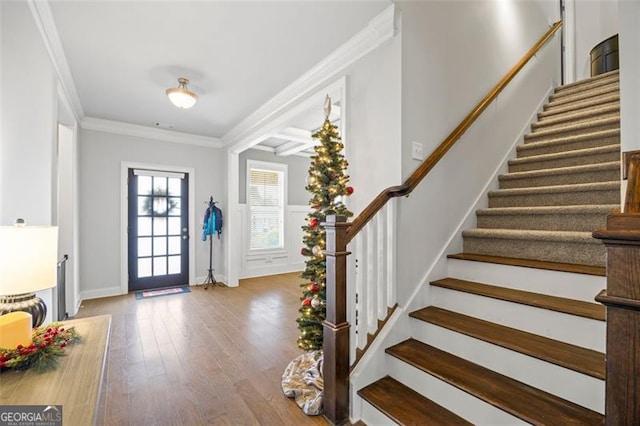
373,123
453,53
629,45
28,108
596,21
101,155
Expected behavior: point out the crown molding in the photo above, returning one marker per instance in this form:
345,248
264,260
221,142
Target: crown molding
46,25
128,129
379,29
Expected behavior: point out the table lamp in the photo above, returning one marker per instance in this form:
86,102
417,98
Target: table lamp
28,262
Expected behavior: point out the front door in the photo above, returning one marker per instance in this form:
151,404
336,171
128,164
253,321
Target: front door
158,229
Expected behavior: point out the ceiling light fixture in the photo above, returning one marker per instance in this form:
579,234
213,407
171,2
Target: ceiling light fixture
181,96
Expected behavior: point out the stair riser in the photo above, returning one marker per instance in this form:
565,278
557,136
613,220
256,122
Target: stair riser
460,402
578,160
556,199
560,106
509,182
561,284
590,85
569,119
566,145
544,222
570,385
371,415
572,329
550,251
564,132
587,94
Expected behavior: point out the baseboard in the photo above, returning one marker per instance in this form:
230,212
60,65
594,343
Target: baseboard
103,292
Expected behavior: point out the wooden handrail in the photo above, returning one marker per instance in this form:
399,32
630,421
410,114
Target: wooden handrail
412,182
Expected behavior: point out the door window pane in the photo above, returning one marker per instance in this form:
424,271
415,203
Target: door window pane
159,266
160,185
159,246
174,206
144,267
144,247
175,186
144,226
174,225
174,245
159,206
159,226
144,206
144,185
174,264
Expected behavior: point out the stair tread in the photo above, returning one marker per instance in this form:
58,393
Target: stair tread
415,409
580,308
600,134
570,127
532,234
580,115
607,89
565,154
526,402
576,358
589,80
550,109
528,263
612,165
538,210
576,187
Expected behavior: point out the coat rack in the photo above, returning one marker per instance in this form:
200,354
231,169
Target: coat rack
209,232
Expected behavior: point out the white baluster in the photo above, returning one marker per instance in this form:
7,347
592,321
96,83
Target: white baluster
381,265
372,279
361,289
391,251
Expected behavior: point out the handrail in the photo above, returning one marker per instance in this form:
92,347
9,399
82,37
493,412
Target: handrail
412,182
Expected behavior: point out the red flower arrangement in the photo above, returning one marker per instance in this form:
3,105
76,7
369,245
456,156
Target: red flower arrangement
48,343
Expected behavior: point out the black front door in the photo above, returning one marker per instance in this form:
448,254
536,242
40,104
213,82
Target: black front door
158,229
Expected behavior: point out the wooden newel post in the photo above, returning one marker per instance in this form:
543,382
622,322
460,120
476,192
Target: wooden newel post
336,327
622,300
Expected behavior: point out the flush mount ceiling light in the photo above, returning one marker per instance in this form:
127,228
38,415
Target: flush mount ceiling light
181,96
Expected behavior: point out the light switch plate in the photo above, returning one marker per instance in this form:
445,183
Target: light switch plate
416,151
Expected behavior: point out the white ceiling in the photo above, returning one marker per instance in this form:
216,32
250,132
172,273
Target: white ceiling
238,55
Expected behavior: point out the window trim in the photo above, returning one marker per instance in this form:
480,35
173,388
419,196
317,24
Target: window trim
273,167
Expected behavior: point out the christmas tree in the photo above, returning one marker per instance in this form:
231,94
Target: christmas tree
327,182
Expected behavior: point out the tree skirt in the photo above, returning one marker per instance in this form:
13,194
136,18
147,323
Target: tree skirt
302,380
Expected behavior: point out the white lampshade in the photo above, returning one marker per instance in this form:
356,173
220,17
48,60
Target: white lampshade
181,96
28,258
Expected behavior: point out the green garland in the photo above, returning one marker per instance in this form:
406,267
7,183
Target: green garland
42,354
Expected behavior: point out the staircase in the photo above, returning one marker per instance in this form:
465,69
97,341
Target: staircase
513,335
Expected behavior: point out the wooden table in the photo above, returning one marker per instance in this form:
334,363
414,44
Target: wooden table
77,381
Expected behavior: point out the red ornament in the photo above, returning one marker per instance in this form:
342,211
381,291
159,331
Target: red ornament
306,302
313,222
349,190
314,288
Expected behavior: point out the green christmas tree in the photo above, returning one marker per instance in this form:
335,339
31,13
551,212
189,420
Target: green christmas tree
327,182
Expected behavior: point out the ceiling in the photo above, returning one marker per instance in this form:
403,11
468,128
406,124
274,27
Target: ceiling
238,55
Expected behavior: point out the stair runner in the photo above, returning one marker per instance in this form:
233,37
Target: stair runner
560,188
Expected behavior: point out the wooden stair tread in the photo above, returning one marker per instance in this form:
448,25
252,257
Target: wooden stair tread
415,409
582,360
523,401
526,263
559,304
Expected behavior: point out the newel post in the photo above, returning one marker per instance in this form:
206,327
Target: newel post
336,327
622,300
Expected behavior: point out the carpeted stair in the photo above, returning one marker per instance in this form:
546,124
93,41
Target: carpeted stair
513,335
563,183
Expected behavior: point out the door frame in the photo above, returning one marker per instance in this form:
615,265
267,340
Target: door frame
124,218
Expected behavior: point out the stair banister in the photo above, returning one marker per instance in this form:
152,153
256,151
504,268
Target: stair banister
339,233
622,300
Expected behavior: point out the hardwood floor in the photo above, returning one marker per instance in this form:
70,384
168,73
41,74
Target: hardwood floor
209,357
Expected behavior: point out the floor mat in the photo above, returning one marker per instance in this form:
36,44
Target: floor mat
146,294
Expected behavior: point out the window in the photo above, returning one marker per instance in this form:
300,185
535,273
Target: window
266,202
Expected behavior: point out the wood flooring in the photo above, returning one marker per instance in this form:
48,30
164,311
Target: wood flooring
209,357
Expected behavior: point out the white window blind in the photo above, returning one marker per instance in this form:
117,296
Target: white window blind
265,196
